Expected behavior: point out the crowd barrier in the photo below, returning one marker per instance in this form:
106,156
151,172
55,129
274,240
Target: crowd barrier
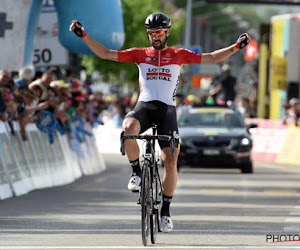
274,142
36,163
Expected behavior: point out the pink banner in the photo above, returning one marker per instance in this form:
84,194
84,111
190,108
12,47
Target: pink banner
268,139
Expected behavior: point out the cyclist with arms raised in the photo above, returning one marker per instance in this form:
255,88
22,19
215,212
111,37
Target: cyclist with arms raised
159,69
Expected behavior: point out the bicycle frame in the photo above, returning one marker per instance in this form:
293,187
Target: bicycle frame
151,186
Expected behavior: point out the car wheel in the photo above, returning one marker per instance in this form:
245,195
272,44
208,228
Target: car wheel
247,168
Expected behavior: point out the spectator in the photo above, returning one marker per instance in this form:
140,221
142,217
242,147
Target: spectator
243,106
44,82
37,93
225,88
65,101
252,107
26,110
26,75
291,112
5,76
74,84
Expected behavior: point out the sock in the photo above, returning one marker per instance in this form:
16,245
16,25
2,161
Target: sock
136,166
165,209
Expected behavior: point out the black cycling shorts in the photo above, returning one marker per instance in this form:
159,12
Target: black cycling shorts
163,115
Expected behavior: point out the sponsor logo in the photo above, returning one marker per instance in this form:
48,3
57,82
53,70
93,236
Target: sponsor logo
158,73
175,90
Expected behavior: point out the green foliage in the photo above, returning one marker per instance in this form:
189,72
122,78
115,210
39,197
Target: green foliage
134,14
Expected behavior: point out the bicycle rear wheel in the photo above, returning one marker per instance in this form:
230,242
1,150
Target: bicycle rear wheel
145,202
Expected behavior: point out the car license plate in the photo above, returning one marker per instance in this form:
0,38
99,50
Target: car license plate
211,152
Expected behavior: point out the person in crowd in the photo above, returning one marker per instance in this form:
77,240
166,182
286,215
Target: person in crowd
65,102
291,116
10,104
226,86
243,106
26,74
156,103
44,82
252,107
26,110
74,84
5,76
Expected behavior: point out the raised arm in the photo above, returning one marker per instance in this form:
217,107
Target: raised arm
222,54
96,47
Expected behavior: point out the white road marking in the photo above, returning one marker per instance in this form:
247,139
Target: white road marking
152,246
26,230
293,219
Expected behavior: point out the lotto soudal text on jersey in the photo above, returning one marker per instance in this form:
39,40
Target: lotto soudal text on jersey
158,73
159,70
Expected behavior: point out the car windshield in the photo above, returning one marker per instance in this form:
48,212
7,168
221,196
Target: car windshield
211,119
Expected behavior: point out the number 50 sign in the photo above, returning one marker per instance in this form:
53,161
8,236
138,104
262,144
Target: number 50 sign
47,49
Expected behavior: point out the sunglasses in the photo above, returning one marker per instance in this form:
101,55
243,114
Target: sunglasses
157,32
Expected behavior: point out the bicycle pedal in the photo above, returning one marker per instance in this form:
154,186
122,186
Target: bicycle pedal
135,191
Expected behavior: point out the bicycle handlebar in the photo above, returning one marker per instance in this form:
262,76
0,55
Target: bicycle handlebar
169,138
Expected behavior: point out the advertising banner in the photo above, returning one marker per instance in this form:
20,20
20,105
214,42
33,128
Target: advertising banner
21,157
47,48
10,163
70,156
268,139
16,34
63,167
5,189
41,172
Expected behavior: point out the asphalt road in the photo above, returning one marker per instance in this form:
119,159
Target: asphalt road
211,209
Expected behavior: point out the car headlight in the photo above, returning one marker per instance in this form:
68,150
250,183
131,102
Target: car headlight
245,142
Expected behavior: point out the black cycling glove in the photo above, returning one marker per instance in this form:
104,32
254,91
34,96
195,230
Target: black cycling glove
79,31
240,44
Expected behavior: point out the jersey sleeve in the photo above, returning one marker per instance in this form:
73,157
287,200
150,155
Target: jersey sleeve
188,57
128,55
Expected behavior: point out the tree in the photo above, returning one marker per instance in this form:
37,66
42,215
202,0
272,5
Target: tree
134,14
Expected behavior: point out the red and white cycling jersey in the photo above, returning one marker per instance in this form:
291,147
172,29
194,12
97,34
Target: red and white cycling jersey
159,70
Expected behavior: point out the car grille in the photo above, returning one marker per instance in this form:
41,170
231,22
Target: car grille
212,142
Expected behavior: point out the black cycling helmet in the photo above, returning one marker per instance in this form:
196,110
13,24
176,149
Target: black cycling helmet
157,20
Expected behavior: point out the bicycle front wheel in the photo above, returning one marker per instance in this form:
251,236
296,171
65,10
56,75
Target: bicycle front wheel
156,204
145,203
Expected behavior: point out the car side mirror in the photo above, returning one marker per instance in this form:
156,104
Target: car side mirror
252,125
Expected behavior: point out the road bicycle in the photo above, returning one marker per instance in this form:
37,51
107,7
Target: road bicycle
150,193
